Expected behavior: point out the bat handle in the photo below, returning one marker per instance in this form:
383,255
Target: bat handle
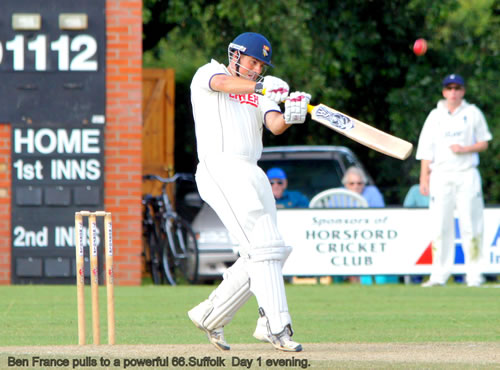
309,106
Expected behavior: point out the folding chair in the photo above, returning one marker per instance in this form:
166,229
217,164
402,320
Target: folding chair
338,198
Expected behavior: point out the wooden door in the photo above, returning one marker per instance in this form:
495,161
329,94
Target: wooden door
158,104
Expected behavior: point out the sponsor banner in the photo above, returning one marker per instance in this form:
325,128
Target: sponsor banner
372,241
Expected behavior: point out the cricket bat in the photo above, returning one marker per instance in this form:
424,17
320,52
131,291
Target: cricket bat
361,132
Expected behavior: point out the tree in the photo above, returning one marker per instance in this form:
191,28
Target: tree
352,55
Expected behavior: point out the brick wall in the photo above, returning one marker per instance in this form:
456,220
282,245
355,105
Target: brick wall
123,140
5,204
122,146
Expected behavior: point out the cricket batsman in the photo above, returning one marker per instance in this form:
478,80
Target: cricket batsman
231,106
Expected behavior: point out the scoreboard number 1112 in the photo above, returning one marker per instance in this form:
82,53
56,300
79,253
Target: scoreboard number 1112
76,54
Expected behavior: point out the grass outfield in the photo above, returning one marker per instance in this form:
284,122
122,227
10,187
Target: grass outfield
340,313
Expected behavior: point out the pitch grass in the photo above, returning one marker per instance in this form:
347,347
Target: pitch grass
341,313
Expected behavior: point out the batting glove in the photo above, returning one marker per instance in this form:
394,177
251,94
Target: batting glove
275,89
296,107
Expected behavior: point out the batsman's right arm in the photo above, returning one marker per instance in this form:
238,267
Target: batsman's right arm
231,84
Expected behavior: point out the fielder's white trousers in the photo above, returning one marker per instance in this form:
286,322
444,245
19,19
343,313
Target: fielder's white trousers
460,191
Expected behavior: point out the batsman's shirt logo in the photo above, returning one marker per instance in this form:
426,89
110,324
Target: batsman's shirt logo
251,99
335,119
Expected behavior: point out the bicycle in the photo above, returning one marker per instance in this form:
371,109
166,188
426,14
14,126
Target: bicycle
151,233
172,243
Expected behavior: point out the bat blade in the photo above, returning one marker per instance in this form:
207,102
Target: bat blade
361,132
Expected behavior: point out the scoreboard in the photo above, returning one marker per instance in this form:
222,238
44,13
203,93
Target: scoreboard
53,73
52,61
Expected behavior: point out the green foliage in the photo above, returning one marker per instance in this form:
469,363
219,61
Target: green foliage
352,55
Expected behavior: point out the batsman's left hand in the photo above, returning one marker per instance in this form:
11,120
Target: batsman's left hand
296,107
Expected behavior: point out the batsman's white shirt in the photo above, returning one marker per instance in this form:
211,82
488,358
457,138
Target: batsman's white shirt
227,123
455,184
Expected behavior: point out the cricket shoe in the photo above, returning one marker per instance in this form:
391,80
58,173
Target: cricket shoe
474,284
281,341
431,283
215,336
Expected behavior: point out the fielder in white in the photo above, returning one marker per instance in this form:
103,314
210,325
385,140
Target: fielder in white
231,107
453,135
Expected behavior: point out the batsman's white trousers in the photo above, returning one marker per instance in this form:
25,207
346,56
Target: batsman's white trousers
460,191
241,195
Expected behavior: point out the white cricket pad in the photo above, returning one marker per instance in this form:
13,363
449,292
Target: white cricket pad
266,282
264,261
234,291
265,242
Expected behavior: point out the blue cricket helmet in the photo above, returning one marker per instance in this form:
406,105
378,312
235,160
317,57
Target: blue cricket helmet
254,45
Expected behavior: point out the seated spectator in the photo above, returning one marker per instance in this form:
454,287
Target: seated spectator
355,180
285,198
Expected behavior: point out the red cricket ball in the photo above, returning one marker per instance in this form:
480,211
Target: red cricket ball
420,47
